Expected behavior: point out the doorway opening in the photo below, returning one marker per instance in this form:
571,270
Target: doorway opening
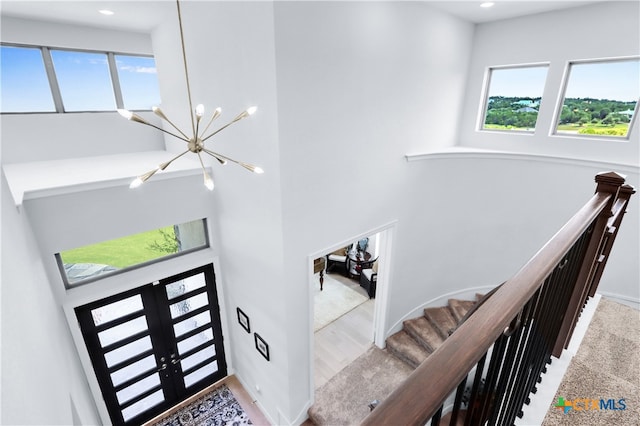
348,301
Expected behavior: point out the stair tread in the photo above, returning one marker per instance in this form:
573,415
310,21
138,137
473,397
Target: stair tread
424,332
442,318
459,308
402,345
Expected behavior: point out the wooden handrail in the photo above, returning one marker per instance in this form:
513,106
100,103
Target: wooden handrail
426,389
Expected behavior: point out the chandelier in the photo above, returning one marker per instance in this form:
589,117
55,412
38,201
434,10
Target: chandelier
195,143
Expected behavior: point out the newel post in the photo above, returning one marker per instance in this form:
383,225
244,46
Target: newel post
607,183
620,208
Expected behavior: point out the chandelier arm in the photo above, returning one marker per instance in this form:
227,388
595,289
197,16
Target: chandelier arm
215,115
186,72
208,182
219,130
166,164
166,131
250,167
239,117
165,118
221,159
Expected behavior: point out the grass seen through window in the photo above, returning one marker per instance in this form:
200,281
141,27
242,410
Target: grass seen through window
126,251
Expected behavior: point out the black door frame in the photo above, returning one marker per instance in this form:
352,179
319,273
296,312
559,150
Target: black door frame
164,344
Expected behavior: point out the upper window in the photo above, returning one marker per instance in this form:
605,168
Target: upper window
24,82
513,98
138,81
42,79
600,99
80,74
88,263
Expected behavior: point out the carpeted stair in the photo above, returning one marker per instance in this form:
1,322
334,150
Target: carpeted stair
421,336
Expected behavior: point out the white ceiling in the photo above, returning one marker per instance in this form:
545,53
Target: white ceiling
144,15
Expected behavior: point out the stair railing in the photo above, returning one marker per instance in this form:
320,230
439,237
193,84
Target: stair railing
495,359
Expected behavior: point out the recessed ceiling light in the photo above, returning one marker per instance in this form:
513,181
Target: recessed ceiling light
487,4
106,12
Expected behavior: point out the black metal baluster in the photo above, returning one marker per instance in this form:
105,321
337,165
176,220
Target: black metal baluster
471,407
458,401
435,420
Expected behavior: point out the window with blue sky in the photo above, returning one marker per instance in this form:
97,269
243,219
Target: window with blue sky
82,80
23,80
513,98
600,99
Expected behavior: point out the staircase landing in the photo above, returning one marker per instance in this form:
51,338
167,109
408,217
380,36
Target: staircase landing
344,399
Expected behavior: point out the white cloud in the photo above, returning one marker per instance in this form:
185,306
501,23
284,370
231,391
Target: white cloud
138,69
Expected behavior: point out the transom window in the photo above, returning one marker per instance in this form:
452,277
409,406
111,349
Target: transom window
43,79
600,99
513,98
95,261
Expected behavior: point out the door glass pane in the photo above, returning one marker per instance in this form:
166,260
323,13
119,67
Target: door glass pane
24,82
184,286
138,81
200,373
198,357
122,331
138,367
80,73
188,305
192,323
116,310
193,341
143,405
128,351
137,388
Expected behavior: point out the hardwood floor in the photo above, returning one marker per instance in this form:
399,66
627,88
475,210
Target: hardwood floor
343,340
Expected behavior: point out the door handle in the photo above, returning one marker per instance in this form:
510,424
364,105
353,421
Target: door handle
175,361
162,367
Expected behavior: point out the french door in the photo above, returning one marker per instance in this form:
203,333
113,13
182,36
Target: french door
156,345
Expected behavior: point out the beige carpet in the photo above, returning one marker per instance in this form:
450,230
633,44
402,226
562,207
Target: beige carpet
335,300
376,374
606,366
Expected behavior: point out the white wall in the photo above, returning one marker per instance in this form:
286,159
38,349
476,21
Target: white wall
360,84
605,30
345,90
231,60
38,359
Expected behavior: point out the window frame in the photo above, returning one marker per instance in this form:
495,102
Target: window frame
553,131
53,79
71,285
484,99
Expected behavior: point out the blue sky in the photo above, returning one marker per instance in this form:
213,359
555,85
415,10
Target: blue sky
83,78
619,80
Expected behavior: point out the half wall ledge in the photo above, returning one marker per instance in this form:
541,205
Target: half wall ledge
478,153
40,179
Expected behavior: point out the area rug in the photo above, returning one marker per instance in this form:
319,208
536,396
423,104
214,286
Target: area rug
217,408
335,300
